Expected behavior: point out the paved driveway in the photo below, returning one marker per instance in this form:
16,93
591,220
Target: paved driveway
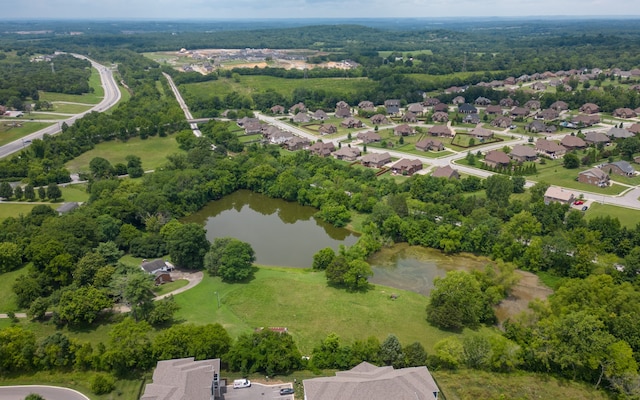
257,391
48,392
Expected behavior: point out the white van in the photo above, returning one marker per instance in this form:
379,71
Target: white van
241,383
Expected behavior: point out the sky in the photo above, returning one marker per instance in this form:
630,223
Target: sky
263,9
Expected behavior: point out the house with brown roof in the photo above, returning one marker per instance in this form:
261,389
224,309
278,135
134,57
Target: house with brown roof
471,119
440,116
586,120
559,195
482,101
502,122
296,143
430,101
621,168
297,108
368,137
277,109
493,110
539,86
519,112
406,167
446,172
624,113
322,149
301,117
441,107
508,102
550,148
559,106
596,138
375,160
404,130
547,115
342,104
429,145
185,378
251,128
573,142
634,128
497,158
589,108
532,104
481,133
379,119
343,112
594,176
539,126
415,108
366,105
352,123
410,117
441,130
523,153
346,153
369,382
320,115
327,129
458,100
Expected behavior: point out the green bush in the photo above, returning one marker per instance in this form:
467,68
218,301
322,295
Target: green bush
102,384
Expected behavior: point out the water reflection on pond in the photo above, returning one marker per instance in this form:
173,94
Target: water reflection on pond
414,268
280,232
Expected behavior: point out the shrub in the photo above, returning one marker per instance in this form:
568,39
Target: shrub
102,384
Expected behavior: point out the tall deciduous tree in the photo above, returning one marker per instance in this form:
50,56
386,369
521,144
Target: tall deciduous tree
230,258
187,246
456,301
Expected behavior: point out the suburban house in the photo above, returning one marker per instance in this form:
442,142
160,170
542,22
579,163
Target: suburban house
497,158
342,104
375,160
440,116
327,129
519,112
549,148
319,115
523,153
392,106
539,86
379,119
160,269
573,142
252,127
322,149
352,123
466,108
547,115
532,105
594,176
410,117
458,100
622,168
586,119
429,145
634,128
624,113
589,108
406,166
277,109
343,112
246,120
619,133
296,143
559,106
502,122
296,108
280,137
184,378
441,130
403,130
471,119
346,153
368,137
446,172
596,138
415,108
366,105
481,133
493,110
508,101
559,195
430,101
367,382
301,117
441,107
482,101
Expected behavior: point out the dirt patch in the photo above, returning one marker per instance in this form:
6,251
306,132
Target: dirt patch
528,288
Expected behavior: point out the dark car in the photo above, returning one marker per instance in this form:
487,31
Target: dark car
585,208
286,391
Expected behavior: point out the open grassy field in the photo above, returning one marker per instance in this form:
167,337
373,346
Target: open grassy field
70,108
9,133
75,193
87,98
253,84
7,297
553,172
153,152
629,218
290,297
14,209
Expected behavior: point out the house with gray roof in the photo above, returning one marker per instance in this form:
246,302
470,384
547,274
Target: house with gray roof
619,133
368,382
392,106
596,138
622,168
184,379
523,153
446,172
67,207
368,137
594,176
346,153
301,117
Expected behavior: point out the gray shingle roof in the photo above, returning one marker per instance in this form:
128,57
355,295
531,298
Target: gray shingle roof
182,379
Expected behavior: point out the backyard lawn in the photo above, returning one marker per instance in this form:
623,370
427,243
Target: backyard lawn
628,218
153,152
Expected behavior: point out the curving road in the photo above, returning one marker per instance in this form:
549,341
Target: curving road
48,392
111,97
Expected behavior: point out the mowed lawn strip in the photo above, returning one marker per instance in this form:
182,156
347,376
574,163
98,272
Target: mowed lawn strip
15,209
152,151
8,133
301,301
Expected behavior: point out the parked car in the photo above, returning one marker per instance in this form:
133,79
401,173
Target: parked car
578,203
585,208
286,391
241,383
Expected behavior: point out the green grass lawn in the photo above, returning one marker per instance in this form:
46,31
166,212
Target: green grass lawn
554,173
75,193
628,217
170,287
87,98
13,210
7,297
153,152
46,115
70,108
9,133
290,297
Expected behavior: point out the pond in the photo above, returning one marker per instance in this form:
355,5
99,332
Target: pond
281,233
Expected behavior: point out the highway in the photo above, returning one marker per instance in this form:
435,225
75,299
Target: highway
48,392
111,97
